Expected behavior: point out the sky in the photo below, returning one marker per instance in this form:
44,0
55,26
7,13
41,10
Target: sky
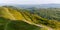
30,1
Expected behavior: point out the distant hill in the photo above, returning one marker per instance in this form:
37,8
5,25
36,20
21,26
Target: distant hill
40,6
34,5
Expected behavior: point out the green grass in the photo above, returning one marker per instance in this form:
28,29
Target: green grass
16,25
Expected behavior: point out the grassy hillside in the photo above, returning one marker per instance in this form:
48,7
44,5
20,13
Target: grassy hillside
49,13
40,20
24,19
7,24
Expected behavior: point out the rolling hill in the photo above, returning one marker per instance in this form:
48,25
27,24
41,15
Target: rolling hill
12,18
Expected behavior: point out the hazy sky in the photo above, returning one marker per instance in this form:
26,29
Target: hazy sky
29,1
